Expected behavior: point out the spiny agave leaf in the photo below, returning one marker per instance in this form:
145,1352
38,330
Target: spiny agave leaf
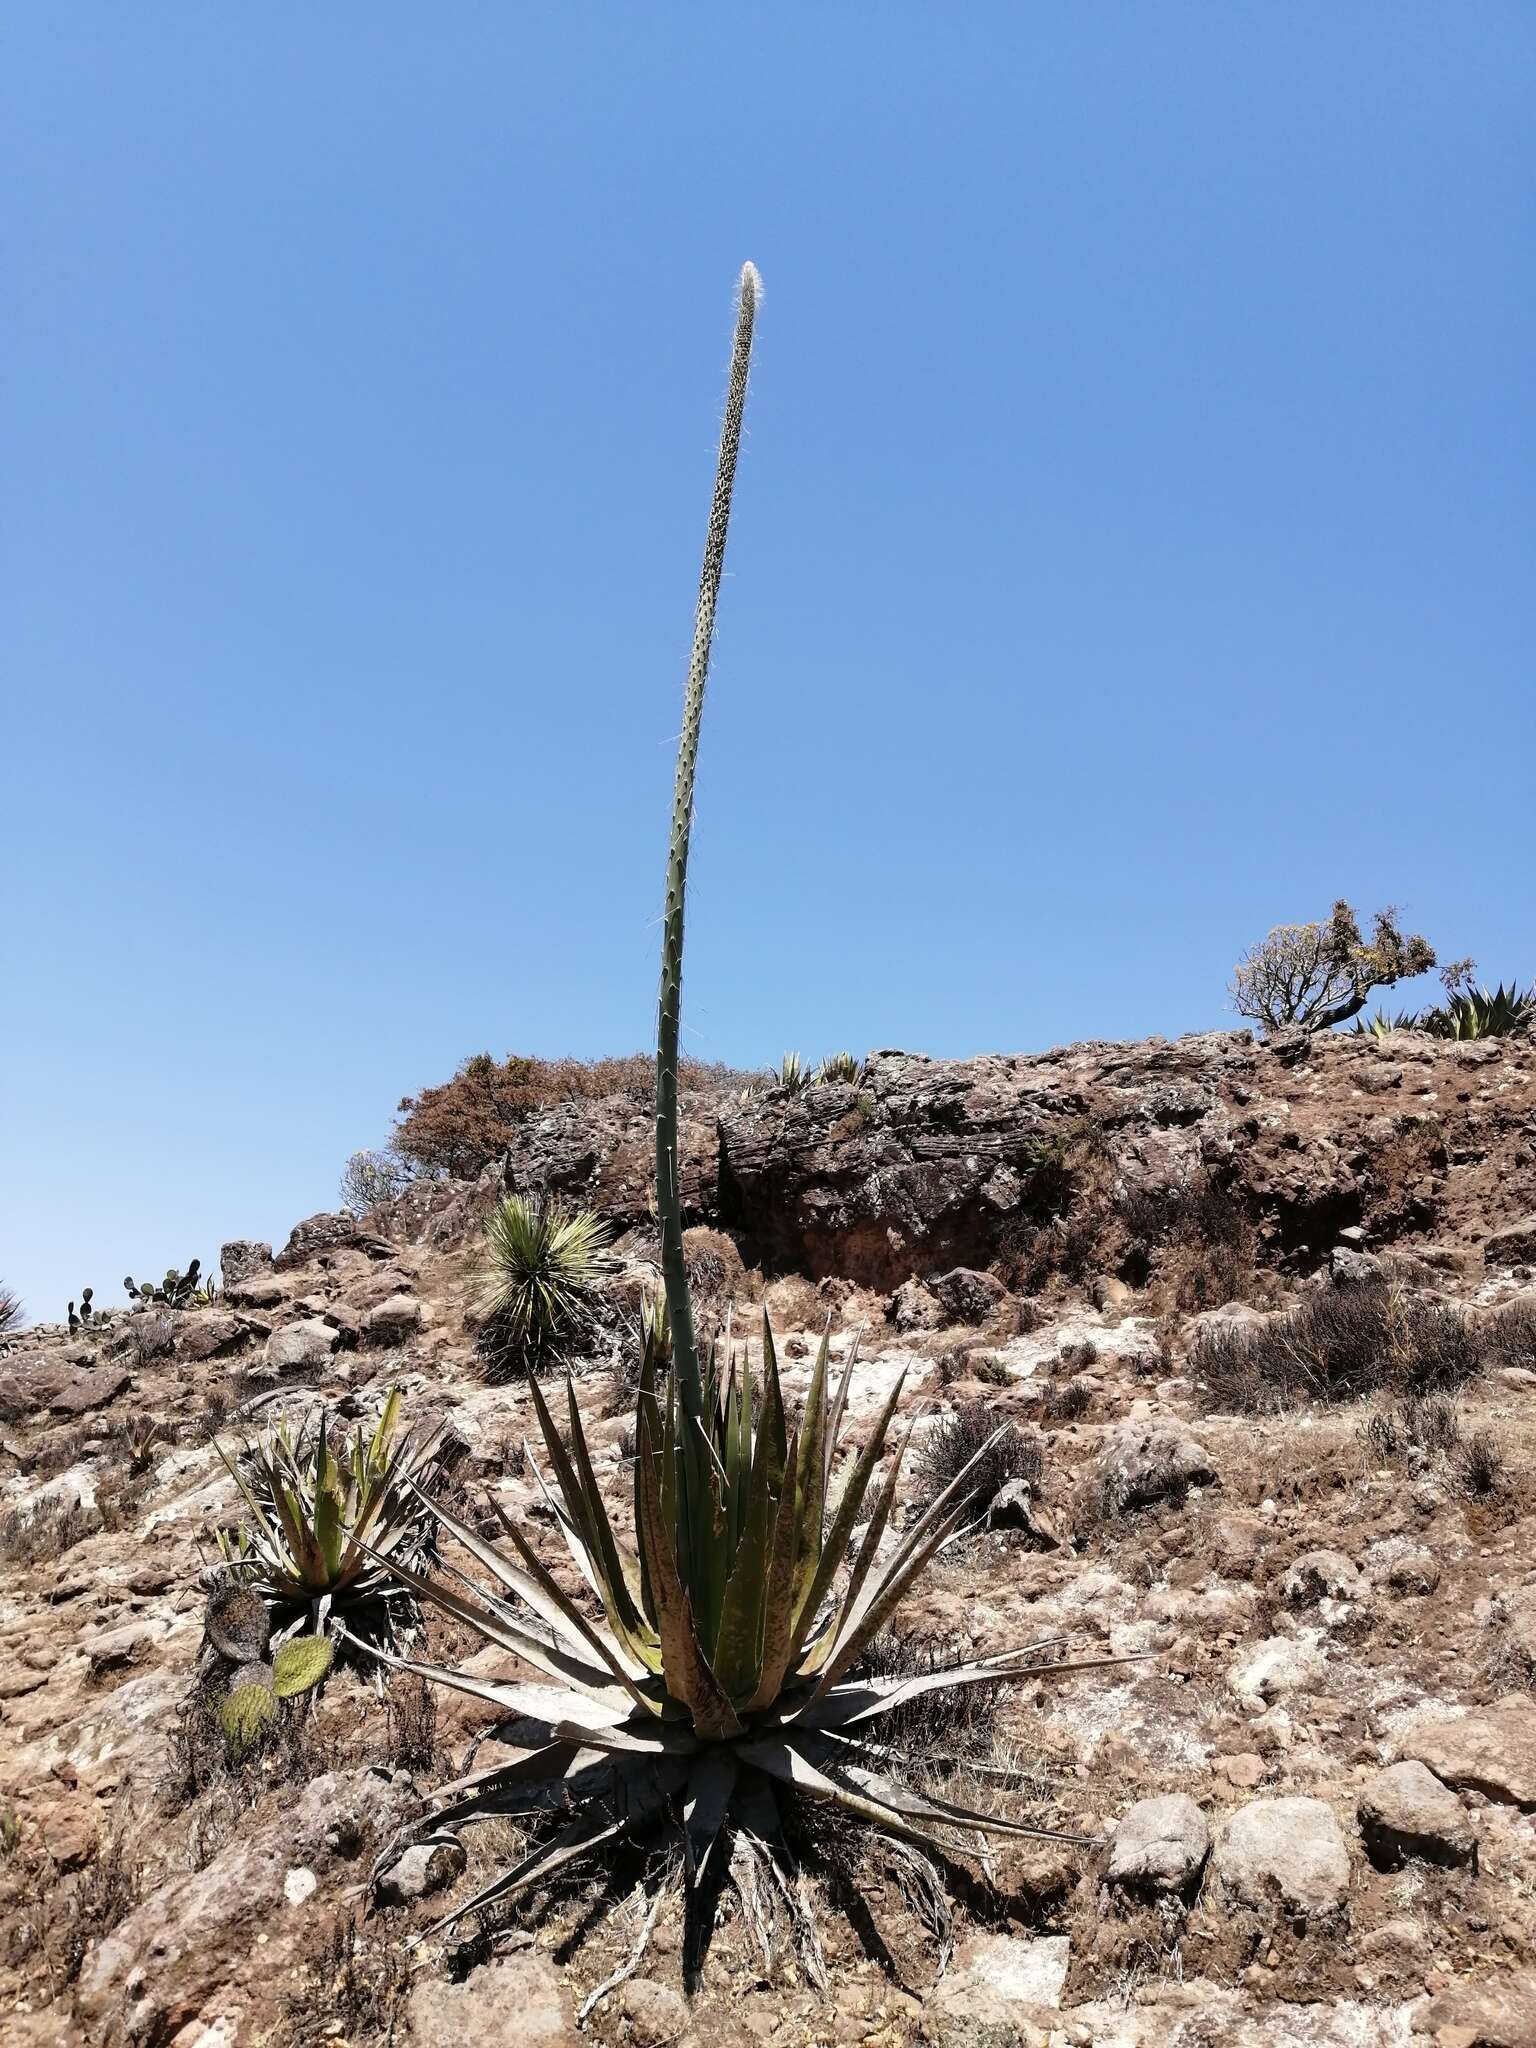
300,1665
810,1481
815,1658
554,1661
616,1596
861,1699
688,1676
848,1767
647,1789
835,1544
608,1648
778,1607
546,1704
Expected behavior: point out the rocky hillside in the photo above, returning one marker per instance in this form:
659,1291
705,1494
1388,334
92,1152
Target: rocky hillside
1308,1815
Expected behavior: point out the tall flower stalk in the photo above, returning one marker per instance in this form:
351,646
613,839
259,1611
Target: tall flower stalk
669,1200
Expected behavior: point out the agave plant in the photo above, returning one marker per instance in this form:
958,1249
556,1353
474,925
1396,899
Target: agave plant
1385,1022
724,1673
710,1674
1481,1013
545,1260
325,1530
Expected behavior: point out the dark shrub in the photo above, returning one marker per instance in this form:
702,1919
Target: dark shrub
956,1438
1338,1346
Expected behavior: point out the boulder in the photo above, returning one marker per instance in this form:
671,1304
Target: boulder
316,1235
207,1333
912,1307
242,1259
1160,1845
1143,1463
88,1388
301,1347
1402,1566
1286,1851
393,1321
1483,2011
1405,1811
658,2015
1514,1245
967,1295
420,1870
1492,1751
1278,1667
1517,1613
1015,1506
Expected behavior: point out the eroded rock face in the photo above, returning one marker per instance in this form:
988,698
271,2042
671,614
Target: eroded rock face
930,1164
1286,1851
242,1259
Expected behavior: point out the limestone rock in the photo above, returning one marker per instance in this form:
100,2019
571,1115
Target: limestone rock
314,1236
995,1975
1406,1811
207,1333
1514,1245
1286,1850
156,1967
515,2001
1319,1575
1492,1751
423,1868
1160,1845
967,1296
242,1259
914,1308
393,1321
301,1347
658,2015
1147,1462
1402,1566
1277,1668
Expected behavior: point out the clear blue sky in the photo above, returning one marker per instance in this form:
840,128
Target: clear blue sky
1133,544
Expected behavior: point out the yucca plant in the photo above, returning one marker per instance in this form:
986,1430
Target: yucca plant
792,1074
325,1529
710,1675
838,1066
11,1310
545,1261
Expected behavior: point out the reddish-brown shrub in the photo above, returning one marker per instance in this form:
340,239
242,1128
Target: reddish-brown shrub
459,1126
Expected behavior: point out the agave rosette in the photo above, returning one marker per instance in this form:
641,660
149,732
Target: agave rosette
713,1670
326,1530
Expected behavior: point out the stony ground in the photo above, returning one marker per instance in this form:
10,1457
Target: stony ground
1309,1815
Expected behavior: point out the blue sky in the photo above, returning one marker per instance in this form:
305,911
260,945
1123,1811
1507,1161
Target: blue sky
1132,546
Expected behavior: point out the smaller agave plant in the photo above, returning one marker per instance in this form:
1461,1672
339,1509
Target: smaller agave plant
325,1529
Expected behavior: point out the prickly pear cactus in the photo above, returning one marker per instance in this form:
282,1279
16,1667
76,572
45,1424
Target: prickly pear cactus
237,1622
245,1717
300,1665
